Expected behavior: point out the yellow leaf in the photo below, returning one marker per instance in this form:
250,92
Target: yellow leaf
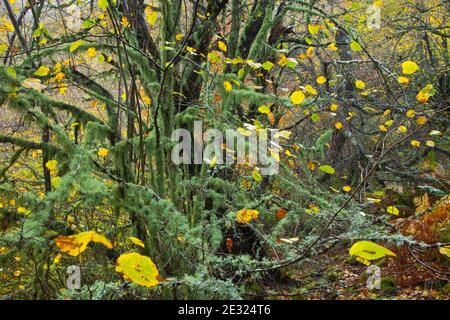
244,132
145,98
179,37
283,134
23,210
42,71
264,109
410,113
289,154
57,258
312,208
74,46
360,84
313,28
327,169
124,21
222,46
213,162
32,83
430,143
7,27
247,215
363,261
402,129
51,165
415,143
76,244
355,46
227,85
274,155
369,251
282,60
347,188
383,128
137,241
445,250
393,210
332,47
289,240
256,176
297,97
424,95
378,3
310,89
403,80
321,80
409,67
191,50
421,120
138,269
102,152
151,16
62,88
91,52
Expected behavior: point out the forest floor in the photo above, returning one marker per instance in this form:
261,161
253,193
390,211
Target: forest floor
340,278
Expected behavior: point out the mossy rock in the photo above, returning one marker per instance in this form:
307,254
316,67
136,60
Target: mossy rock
388,286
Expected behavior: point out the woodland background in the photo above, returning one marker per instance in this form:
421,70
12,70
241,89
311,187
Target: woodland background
91,92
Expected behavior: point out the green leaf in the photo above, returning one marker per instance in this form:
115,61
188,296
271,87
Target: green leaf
356,6
327,169
256,176
315,117
369,250
3,48
36,33
267,65
74,46
103,4
11,72
355,46
291,63
88,23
